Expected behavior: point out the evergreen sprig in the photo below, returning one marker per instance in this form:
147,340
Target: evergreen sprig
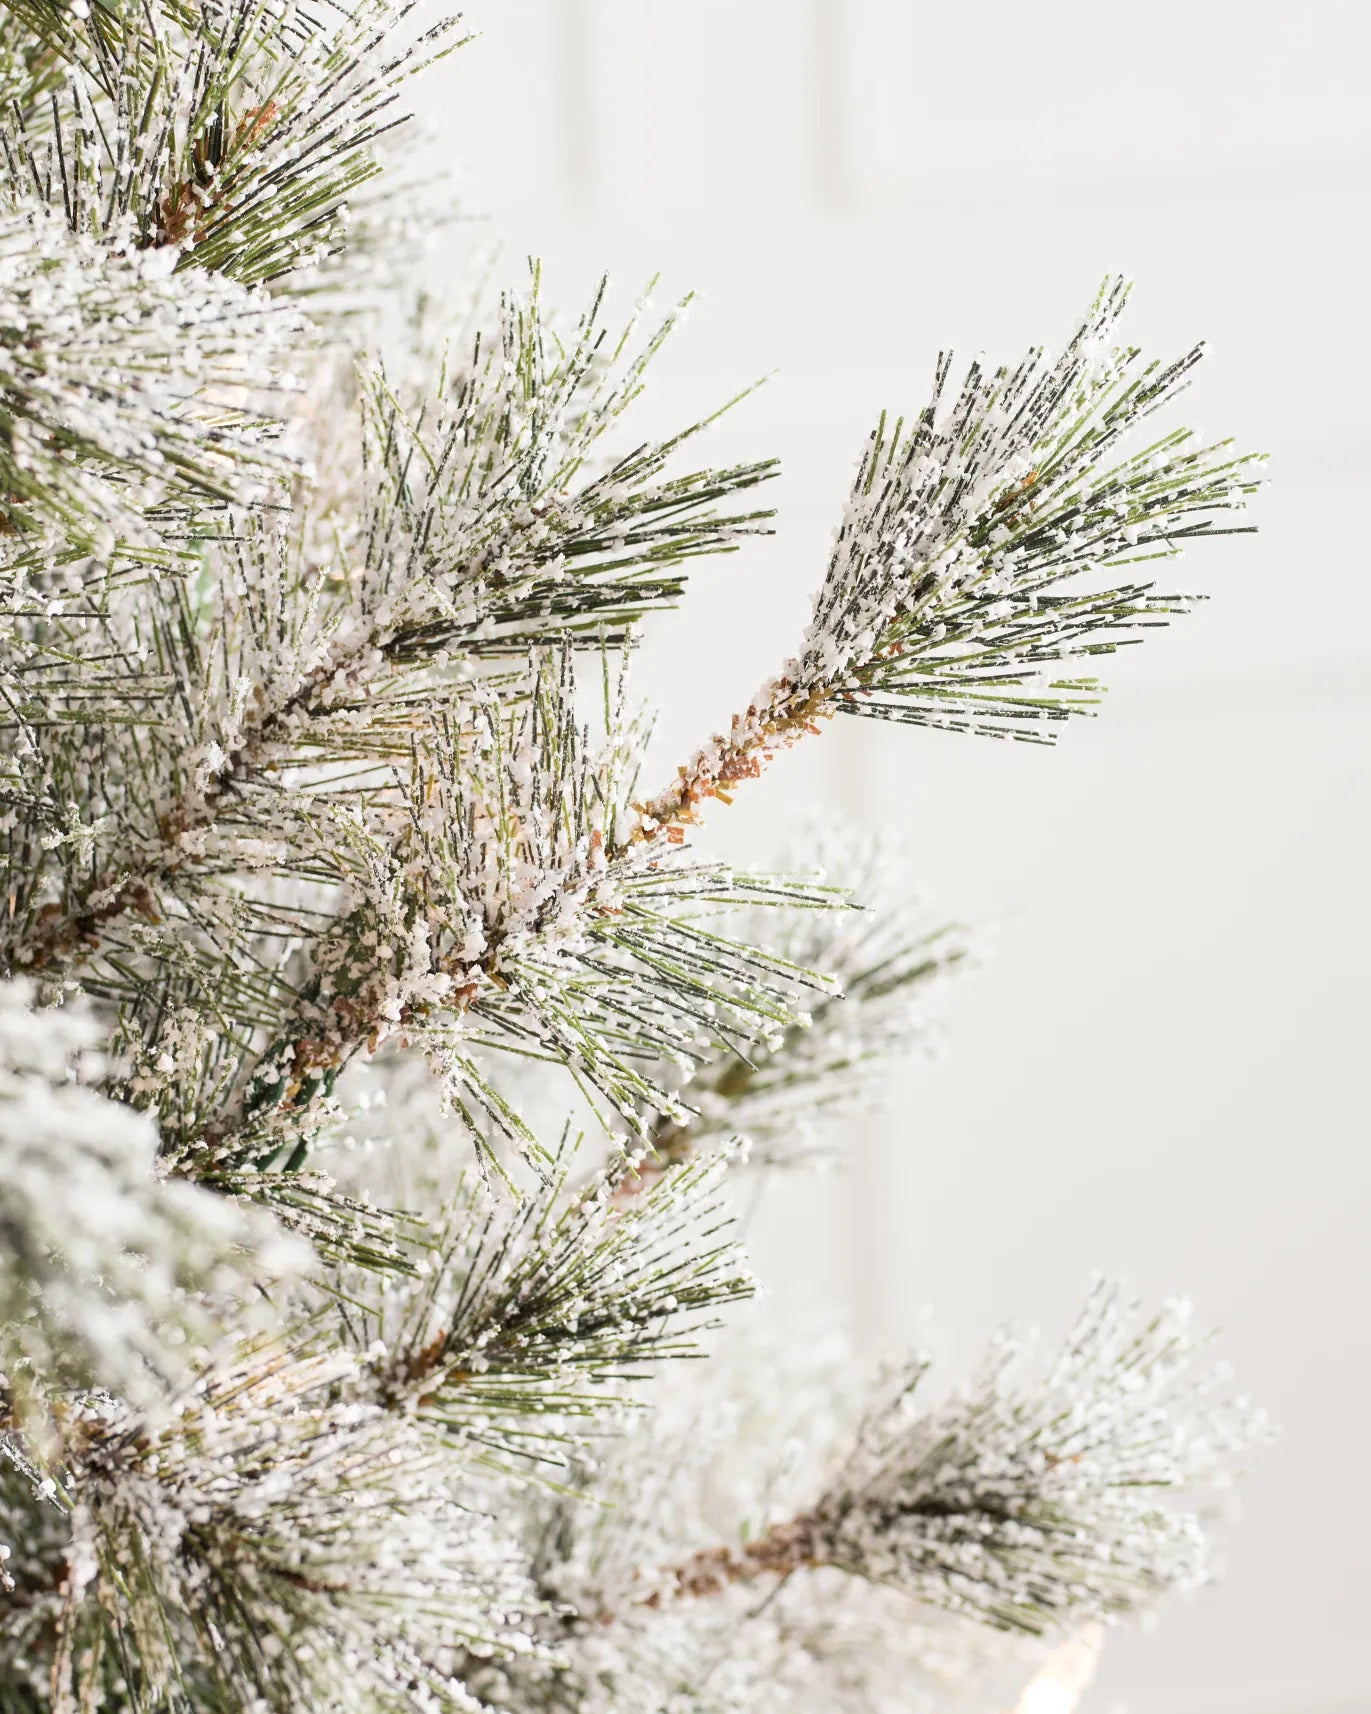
232,133
124,390
113,1278
315,756
832,1550
1034,1505
530,1318
509,908
276,1544
963,571
498,518
888,962
1029,1506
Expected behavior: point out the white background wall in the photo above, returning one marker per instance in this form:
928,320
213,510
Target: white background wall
1164,1070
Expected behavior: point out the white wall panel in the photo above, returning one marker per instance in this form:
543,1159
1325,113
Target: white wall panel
1074,95
697,102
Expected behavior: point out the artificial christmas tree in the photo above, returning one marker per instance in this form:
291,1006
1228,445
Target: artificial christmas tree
329,1378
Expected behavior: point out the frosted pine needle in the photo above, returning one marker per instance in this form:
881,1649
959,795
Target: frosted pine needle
508,910
319,821
888,961
506,510
955,1543
964,571
106,1268
275,1546
529,1319
124,386
1029,1504
230,134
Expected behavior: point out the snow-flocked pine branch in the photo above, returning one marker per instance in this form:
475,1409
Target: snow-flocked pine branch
1027,1504
123,390
889,960
229,133
111,1272
322,846
968,564
508,907
276,1544
933,1547
528,1320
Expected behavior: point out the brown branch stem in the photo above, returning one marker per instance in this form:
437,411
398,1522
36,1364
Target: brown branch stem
69,933
783,1550
780,715
319,1044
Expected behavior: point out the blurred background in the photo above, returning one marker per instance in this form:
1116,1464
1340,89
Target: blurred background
1163,1070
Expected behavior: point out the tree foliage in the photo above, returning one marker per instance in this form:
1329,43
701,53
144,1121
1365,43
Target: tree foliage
328,877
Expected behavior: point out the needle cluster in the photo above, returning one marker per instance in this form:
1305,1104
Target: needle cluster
329,893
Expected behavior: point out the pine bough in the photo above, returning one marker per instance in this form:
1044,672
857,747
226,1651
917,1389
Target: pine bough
328,1379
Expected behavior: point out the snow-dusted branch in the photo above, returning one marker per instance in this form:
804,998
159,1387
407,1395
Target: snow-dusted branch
529,1319
276,1544
107,1270
124,389
319,787
508,907
964,570
1028,1502
231,134
488,524
890,962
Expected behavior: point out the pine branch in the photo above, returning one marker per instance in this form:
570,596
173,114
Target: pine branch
951,599
121,390
1029,1507
299,769
230,133
1064,419
889,964
275,1546
112,1277
497,521
530,1318
497,904
510,534
744,1547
